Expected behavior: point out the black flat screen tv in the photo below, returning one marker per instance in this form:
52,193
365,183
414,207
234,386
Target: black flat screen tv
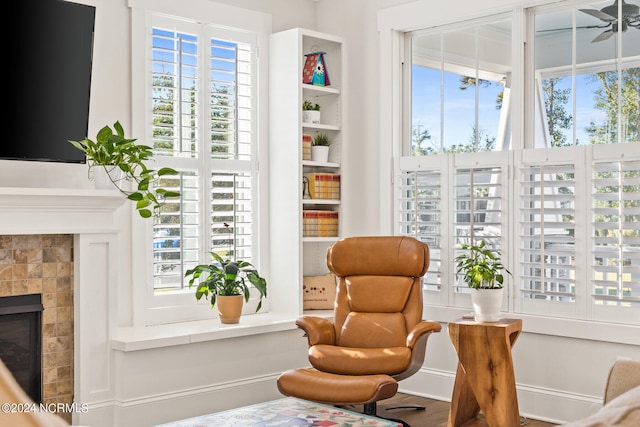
49,78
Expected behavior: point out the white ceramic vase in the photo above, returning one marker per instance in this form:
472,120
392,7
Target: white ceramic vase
104,176
487,304
311,116
320,153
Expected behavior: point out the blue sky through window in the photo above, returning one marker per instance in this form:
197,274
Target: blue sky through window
459,108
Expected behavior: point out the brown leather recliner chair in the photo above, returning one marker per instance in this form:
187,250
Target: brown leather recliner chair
377,336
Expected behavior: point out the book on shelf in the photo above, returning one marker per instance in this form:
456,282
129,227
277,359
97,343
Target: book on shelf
319,223
306,146
324,186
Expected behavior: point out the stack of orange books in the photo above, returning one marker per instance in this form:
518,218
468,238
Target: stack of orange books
324,186
319,223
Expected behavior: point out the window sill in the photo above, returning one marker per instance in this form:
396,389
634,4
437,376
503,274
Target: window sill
555,326
134,338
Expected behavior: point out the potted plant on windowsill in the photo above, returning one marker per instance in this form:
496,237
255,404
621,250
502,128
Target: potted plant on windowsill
481,268
121,160
225,282
310,112
320,148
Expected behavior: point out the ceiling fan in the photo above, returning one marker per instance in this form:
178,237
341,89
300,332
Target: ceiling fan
608,14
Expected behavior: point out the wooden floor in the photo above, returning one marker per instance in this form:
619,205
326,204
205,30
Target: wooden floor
435,413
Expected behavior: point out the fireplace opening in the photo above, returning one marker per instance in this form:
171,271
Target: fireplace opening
21,341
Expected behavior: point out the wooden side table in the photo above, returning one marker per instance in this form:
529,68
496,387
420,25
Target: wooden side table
484,378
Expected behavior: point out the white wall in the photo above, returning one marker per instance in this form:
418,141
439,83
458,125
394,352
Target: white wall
558,378
356,21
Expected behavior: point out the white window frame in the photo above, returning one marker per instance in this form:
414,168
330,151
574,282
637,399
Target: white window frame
393,24
176,307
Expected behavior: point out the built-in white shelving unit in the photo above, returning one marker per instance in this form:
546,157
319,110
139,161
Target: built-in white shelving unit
305,256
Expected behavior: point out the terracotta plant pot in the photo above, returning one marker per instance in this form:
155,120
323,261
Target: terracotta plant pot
229,308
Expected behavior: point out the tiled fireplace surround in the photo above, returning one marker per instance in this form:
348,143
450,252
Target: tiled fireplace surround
43,264
62,243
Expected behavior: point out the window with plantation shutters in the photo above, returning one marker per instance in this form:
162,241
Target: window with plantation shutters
549,172
616,239
444,202
204,125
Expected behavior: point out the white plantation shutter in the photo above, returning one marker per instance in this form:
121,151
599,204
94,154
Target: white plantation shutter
176,233
175,92
231,101
204,125
175,82
232,204
477,209
616,240
547,232
420,216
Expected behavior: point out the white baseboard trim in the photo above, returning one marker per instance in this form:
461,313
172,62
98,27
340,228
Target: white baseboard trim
554,406
154,409
218,388
97,414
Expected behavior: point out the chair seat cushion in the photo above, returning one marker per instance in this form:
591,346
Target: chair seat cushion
332,389
359,361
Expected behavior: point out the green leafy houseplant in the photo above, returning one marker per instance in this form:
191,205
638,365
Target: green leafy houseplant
321,140
310,106
481,267
226,277
112,151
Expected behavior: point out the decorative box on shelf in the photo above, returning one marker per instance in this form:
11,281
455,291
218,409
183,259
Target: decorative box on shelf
319,223
324,186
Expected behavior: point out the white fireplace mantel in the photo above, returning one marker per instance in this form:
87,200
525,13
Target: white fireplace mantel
57,210
90,216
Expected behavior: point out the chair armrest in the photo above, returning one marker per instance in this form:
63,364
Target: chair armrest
623,376
318,330
417,342
419,330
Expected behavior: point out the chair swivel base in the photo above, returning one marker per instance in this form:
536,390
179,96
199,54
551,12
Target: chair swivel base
338,390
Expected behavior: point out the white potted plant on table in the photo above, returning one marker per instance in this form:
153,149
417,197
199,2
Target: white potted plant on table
482,268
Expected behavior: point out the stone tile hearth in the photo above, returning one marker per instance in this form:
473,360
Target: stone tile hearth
43,264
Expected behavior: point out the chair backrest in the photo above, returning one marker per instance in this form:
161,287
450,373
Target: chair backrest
378,289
